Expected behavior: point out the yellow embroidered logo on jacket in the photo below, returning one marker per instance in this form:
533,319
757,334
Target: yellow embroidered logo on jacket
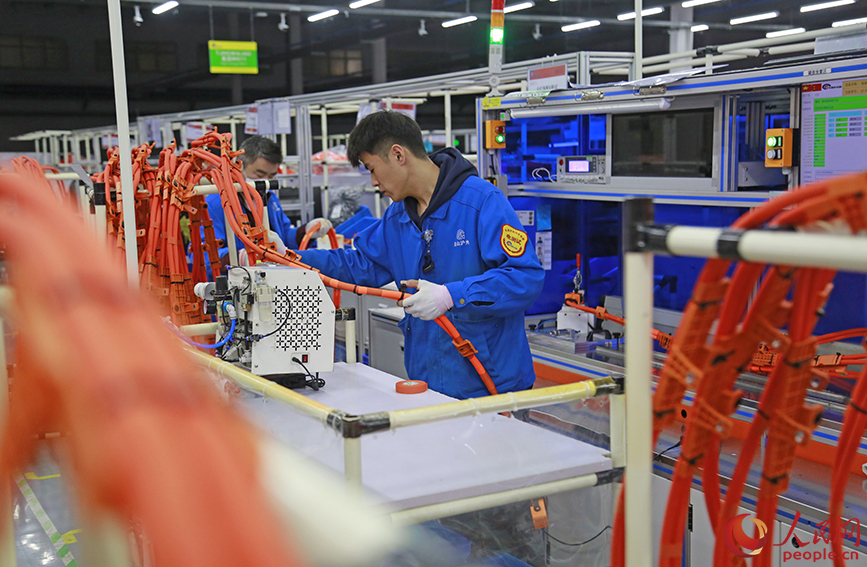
513,241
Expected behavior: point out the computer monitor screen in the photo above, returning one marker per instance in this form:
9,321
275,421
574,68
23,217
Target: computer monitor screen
833,128
663,144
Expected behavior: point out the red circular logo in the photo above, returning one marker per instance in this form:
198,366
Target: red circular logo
739,543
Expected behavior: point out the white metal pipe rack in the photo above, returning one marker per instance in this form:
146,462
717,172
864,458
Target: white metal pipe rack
641,240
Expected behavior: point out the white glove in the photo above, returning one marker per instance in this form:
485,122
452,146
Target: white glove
429,302
275,238
324,226
243,260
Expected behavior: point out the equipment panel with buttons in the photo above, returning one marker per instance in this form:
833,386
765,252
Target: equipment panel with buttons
581,169
779,147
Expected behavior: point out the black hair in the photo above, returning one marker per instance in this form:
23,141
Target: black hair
377,132
256,147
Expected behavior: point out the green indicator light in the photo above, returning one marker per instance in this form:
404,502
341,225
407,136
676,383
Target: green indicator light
772,141
457,142
500,138
497,35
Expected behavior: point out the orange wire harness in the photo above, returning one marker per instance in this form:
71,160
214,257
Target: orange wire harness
226,171
749,337
332,238
150,440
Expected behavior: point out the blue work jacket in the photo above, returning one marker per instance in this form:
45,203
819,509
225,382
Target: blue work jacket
279,223
482,255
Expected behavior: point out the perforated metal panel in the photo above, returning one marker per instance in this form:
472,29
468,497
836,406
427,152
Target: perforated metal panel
303,330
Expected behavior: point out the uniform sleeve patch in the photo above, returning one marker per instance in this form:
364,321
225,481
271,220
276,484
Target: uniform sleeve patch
513,241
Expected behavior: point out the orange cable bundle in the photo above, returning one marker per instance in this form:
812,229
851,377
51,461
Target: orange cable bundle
150,440
712,369
332,238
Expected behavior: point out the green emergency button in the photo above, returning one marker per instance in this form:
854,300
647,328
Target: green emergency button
772,142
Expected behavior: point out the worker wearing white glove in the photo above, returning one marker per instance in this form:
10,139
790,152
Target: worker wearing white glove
244,260
429,302
275,238
324,226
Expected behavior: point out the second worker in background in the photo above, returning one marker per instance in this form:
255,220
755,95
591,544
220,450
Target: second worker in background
261,160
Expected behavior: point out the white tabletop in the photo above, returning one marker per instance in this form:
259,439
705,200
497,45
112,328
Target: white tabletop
429,463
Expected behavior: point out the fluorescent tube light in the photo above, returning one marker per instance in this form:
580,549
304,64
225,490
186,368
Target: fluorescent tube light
782,33
825,5
845,23
699,27
459,21
165,7
691,3
756,18
516,7
580,25
322,15
592,108
647,12
361,4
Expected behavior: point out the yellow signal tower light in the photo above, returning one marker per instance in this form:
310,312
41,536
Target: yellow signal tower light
495,134
779,147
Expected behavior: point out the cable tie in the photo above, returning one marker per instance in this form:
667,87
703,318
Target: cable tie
857,408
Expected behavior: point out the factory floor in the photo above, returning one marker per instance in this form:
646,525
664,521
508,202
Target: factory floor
45,524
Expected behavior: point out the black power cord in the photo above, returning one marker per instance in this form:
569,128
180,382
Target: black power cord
315,382
249,277
583,542
285,319
659,456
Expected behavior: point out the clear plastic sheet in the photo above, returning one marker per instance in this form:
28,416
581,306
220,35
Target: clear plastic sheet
454,459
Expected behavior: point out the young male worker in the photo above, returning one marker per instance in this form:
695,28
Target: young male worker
261,160
455,238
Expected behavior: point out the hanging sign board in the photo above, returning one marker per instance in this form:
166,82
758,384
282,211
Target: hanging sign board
265,122
282,117
251,126
234,57
153,131
548,78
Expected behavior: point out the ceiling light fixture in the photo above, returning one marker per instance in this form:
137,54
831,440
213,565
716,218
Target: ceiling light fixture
845,23
647,12
699,28
516,7
756,18
825,5
691,3
421,29
362,3
782,33
165,7
459,21
283,26
137,17
322,15
580,25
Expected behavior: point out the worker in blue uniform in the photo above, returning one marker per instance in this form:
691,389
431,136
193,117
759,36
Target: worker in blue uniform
261,160
454,237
